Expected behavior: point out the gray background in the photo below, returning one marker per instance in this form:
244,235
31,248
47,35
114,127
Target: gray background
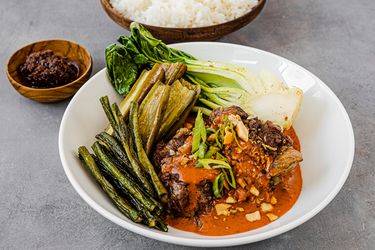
38,206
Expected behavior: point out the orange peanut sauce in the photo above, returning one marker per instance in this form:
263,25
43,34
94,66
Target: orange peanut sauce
286,193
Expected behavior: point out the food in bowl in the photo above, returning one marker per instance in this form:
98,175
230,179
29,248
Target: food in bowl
183,13
45,69
242,176
184,149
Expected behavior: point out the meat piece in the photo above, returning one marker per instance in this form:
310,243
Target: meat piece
267,135
273,136
217,115
166,150
178,193
206,197
188,200
285,161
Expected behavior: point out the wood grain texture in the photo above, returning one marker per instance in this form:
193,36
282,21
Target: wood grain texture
71,50
208,33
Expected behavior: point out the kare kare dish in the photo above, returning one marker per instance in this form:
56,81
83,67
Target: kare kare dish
204,147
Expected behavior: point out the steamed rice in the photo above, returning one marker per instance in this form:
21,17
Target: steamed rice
183,13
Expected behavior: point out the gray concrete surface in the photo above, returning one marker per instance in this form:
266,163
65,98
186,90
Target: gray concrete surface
39,209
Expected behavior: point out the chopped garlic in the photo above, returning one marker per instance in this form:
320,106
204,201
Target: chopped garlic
253,216
230,200
233,211
254,191
222,209
266,207
273,200
271,216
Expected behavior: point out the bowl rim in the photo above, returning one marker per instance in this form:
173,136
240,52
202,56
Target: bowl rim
215,241
84,74
108,6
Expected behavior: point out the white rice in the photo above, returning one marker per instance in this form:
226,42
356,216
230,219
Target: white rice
183,13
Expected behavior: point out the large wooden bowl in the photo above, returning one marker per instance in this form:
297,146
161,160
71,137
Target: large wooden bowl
208,33
71,50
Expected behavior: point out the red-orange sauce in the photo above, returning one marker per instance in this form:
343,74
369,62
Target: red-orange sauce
286,193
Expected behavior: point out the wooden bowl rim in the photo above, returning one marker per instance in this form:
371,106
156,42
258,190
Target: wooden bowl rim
109,7
84,74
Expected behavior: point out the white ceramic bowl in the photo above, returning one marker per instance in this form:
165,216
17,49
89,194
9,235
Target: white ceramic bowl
323,127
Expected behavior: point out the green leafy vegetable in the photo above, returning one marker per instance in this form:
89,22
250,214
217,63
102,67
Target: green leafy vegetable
154,49
123,67
226,84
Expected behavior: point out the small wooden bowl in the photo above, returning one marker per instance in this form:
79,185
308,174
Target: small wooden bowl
71,50
208,33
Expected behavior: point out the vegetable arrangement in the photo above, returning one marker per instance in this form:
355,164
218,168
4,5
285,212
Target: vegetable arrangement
121,161
124,172
221,84
161,87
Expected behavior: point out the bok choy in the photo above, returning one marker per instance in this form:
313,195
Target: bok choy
221,84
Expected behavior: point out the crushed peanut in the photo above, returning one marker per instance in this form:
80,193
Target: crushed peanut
222,209
272,217
234,119
253,216
184,160
240,209
241,182
230,200
188,125
273,200
254,191
266,207
228,138
242,131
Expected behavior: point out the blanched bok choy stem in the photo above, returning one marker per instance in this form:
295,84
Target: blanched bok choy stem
179,100
151,114
142,156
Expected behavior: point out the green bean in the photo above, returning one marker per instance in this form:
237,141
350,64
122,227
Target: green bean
116,149
107,110
121,204
127,143
149,203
